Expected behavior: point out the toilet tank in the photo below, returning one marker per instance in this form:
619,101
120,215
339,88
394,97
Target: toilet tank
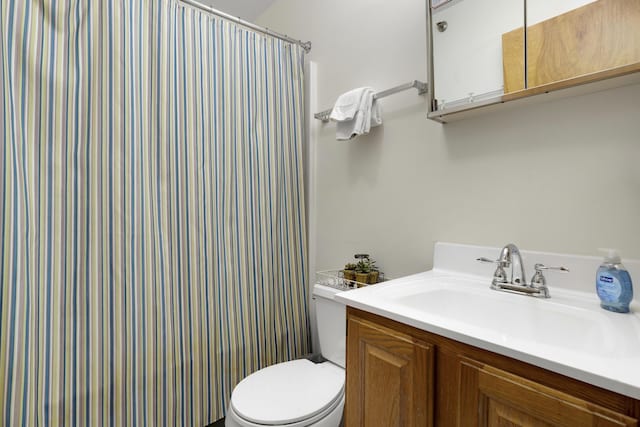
332,324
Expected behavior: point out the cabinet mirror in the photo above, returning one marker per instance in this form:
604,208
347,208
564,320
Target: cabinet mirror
466,38
486,53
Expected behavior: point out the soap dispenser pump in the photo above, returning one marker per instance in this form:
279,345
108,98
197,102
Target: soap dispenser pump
613,283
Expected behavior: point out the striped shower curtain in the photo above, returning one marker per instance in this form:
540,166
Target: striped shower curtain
152,232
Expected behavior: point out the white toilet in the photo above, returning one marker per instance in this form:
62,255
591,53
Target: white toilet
300,392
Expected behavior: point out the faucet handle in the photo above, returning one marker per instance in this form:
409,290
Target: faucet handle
499,276
541,267
488,261
538,279
501,262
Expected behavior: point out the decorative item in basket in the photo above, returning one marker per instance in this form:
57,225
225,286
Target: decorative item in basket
364,272
349,271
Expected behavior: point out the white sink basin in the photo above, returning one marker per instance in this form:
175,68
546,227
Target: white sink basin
518,317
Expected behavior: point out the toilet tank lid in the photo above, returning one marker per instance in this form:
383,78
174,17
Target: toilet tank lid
325,291
288,392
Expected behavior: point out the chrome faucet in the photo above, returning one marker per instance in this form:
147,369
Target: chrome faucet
510,257
510,254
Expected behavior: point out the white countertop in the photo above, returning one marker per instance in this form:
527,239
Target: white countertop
569,333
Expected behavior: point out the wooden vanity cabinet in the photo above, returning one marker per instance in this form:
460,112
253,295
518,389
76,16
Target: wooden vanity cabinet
398,375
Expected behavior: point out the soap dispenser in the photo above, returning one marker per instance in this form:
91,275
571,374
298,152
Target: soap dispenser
613,283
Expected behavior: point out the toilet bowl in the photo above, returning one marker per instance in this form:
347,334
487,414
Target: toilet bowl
299,392
296,393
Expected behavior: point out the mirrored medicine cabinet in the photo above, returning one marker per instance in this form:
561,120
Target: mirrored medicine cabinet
484,54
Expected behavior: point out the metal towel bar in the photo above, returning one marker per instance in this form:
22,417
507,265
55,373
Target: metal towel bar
421,86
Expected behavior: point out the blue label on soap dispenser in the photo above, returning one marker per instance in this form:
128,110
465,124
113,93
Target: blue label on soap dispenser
608,288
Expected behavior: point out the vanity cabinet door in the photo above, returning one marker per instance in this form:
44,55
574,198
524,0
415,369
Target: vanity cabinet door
389,377
492,397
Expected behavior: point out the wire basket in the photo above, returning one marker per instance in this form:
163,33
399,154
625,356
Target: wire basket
336,279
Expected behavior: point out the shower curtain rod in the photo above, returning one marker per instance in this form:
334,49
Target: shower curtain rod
193,3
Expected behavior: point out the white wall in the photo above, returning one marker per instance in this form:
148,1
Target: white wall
561,176
541,10
245,9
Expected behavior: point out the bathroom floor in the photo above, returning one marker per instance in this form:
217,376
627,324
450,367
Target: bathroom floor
219,423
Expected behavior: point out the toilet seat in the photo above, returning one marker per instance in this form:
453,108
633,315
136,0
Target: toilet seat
295,393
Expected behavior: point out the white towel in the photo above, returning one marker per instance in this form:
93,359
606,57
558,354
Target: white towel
347,104
356,112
